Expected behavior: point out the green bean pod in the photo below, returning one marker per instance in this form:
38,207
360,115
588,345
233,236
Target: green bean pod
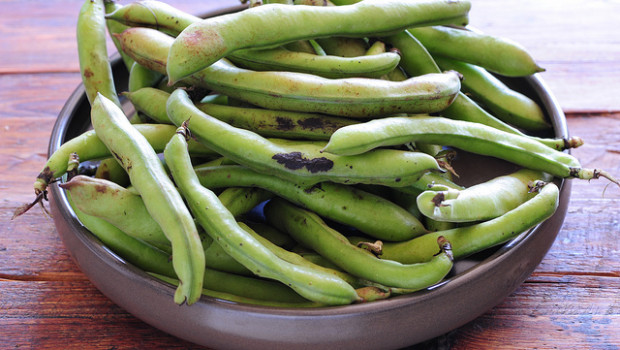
160,196
496,54
217,258
115,27
117,205
109,169
366,290
240,200
505,103
472,137
251,287
141,77
307,228
343,47
379,48
275,123
151,102
242,299
153,14
416,60
157,15
326,66
271,234
465,109
471,239
305,166
251,28
368,213
297,259
350,97
126,210
93,53
431,178
134,251
88,146
483,201
265,122
150,259
457,21
223,228
300,46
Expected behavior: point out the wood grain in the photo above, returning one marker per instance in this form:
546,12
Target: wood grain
73,315
572,39
53,24
551,30
570,301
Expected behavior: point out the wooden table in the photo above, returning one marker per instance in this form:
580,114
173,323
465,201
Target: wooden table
572,300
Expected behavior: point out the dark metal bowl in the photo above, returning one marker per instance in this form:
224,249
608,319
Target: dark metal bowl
476,284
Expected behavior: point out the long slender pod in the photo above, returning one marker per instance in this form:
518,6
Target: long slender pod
368,213
242,299
297,259
416,60
507,104
131,249
160,196
483,201
153,14
366,290
141,77
472,137
302,164
157,15
307,228
203,43
218,284
349,97
117,205
219,223
95,66
88,146
498,55
475,238
265,122
327,66
241,200
115,27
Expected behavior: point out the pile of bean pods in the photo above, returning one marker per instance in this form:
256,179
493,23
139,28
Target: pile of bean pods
299,154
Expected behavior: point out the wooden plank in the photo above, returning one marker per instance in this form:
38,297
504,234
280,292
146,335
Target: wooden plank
36,95
549,311
72,315
52,26
30,249
23,155
546,308
572,39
